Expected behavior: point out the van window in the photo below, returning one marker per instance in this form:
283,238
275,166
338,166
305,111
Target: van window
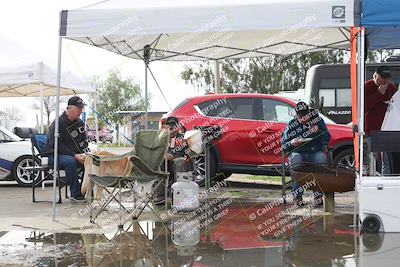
329,97
343,97
337,82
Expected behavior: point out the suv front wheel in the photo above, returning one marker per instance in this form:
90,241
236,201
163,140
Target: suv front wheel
199,168
345,159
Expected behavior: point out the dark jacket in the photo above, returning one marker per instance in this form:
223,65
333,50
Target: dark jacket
295,129
72,138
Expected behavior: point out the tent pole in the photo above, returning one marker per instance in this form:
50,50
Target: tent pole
146,64
41,129
354,95
217,76
361,71
56,130
96,119
41,109
146,58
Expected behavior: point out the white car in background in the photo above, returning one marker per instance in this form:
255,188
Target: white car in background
15,155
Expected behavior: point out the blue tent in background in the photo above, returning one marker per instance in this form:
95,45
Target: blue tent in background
381,19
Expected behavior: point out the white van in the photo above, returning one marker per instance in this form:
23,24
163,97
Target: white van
328,88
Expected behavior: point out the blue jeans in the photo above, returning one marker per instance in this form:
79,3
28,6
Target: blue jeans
70,166
297,159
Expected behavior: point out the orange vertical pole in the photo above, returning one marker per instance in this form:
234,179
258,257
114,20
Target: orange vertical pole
353,74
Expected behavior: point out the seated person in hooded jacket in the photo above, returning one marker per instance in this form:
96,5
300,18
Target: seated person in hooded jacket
305,140
71,145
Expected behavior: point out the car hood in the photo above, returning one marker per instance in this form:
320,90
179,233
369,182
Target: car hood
12,150
338,127
19,143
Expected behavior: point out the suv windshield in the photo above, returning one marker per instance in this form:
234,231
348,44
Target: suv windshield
184,102
7,136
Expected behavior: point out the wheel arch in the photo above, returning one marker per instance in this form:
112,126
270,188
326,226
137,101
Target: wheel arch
336,149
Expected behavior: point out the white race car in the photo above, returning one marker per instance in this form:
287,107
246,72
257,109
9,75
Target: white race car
15,155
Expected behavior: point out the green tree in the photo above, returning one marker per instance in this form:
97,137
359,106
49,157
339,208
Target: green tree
269,74
117,93
381,55
260,75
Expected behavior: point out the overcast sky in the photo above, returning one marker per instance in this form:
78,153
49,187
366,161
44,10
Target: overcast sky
32,27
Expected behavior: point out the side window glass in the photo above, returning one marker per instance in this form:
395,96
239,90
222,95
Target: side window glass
216,108
268,110
243,108
284,113
277,111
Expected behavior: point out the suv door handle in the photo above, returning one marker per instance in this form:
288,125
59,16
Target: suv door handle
269,131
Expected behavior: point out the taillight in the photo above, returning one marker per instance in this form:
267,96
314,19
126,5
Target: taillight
161,123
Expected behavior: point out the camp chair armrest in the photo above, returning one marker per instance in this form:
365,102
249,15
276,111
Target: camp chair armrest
105,176
109,158
141,165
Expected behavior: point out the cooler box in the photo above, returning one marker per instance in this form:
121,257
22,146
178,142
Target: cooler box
379,203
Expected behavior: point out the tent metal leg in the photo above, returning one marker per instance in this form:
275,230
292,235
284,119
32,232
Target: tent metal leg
361,71
208,170
56,131
217,89
146,57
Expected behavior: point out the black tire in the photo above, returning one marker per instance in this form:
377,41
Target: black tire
371,224
345,159
23,177
226,174
372,241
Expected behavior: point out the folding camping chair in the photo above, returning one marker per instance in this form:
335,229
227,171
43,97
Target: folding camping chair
40,173
125,247
150,150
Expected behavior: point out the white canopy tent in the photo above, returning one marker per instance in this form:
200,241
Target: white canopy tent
153,30
38,79
188,30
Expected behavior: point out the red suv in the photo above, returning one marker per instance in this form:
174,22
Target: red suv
252,126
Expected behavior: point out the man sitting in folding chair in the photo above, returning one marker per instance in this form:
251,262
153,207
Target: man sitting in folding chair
36,171
177,158
72,144
306,139
150,152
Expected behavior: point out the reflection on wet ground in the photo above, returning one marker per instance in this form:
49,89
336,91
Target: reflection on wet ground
236,235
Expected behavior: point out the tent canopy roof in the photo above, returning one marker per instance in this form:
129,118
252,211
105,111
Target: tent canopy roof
382,21
29,79
211,29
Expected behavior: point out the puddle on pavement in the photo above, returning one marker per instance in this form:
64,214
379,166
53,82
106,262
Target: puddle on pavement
221,235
